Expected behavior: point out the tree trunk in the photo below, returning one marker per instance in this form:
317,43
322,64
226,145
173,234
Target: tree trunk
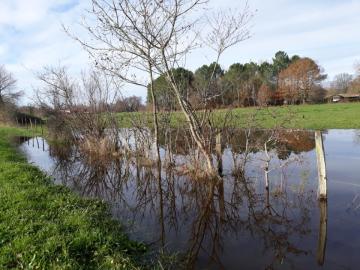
192,120
156,123
1,102
195,130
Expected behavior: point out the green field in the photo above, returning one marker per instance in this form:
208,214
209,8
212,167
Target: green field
323,116
43,226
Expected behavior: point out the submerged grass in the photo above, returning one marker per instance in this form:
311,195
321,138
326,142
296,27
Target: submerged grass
43,226
319,116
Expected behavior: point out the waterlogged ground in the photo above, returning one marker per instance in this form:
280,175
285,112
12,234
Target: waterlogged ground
234,223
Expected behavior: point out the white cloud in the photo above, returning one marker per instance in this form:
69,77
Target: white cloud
34,38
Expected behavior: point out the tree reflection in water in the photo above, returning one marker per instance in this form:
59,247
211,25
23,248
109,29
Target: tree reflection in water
204,214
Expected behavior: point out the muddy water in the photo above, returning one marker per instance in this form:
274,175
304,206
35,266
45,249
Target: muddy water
235,223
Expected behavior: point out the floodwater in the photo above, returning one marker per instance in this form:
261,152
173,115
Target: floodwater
235,223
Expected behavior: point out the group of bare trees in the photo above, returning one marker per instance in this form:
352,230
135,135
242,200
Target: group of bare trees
128,104
79,108
346,83
355,84
135,41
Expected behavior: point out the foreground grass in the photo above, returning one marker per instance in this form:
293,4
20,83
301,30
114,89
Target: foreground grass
320,116
43,226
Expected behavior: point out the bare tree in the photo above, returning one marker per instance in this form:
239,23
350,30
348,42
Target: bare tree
357,68
128,104
341,82
80,109
131,38
7,87
58,90
355,84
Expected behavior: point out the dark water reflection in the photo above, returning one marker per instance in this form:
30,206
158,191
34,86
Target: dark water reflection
235,223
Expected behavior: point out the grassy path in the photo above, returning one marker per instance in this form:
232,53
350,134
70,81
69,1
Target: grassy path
43,226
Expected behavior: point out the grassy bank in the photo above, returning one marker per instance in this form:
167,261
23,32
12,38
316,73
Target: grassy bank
43,226
320,116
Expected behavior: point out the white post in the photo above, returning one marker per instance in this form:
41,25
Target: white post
321,166
218,144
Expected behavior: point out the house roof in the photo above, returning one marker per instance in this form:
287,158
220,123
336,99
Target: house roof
344,95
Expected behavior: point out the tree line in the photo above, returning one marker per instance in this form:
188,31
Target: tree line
291,80
285,79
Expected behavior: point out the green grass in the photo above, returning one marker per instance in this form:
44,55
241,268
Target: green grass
43,226
321,116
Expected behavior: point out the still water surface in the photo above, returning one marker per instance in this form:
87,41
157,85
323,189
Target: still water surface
235,223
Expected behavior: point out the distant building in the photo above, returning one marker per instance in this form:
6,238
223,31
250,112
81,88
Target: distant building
343,98
65,111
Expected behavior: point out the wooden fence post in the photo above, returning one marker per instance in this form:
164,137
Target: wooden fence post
218,149
320,155
322,233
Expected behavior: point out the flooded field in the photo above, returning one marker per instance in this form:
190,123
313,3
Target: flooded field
235,223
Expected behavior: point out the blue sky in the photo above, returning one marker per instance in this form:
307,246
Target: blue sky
325,30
